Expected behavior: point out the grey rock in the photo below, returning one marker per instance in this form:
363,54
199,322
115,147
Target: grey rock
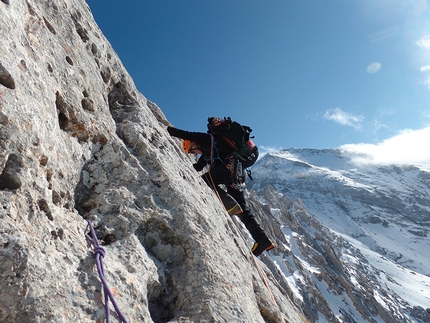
78,141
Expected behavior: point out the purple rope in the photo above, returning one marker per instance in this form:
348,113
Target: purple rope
100,253
212,149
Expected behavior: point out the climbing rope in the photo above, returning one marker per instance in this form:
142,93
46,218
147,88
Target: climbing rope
260,271
99,255
263,277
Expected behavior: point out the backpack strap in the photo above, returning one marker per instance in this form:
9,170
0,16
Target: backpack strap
229,142
234,147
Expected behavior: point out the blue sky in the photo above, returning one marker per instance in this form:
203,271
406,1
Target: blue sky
304,74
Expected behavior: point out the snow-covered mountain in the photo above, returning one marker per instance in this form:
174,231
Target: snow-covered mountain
353,239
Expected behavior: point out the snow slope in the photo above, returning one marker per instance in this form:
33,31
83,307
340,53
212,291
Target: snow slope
379,216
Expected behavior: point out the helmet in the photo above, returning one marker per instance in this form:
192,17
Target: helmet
215,121
190,146
186,145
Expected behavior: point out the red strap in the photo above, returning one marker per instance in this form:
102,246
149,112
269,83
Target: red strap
230,142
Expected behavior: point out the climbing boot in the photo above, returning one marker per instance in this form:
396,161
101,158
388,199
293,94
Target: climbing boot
235,210
259,247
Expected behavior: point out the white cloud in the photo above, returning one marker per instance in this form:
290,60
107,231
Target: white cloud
377,125
424,42
425,68
373,68
408,147
344,118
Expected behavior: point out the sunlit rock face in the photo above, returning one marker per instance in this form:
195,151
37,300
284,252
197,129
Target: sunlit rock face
78,141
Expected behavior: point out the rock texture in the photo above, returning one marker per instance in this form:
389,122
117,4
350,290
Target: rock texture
78,141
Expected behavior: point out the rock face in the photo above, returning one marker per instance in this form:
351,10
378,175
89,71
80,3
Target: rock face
78,141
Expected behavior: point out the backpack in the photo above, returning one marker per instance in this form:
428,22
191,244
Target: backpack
244,151
237,137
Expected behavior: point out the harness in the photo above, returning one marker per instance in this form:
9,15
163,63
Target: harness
233,162
212,159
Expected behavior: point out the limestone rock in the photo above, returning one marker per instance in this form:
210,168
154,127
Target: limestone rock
78,141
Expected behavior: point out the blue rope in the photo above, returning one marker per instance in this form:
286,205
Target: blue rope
212,159
100,253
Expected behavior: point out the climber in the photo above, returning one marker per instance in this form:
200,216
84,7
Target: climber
217,153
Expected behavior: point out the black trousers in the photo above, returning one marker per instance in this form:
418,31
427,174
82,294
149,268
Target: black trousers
220,174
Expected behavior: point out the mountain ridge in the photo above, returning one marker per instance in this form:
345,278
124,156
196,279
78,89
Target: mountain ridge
369,209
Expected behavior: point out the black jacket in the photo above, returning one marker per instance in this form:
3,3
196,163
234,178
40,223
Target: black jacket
221,148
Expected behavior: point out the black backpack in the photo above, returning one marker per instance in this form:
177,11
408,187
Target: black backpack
237,137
